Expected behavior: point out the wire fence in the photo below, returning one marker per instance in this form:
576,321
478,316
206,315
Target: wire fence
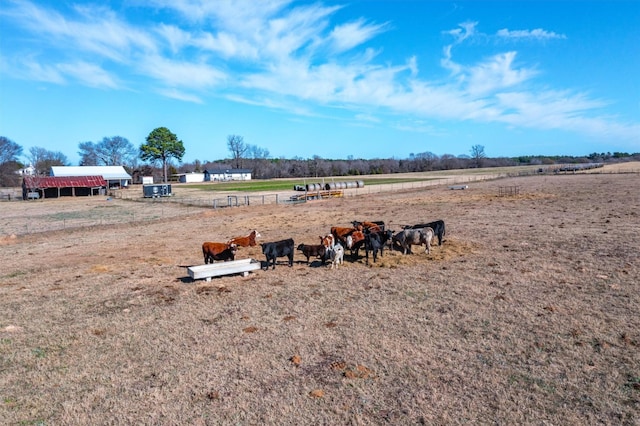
31,217
34,216
126,207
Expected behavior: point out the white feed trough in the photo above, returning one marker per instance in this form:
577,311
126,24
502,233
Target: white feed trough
243,266
459,187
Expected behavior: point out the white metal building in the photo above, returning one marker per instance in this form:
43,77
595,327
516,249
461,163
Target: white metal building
227,174
116,176
190,177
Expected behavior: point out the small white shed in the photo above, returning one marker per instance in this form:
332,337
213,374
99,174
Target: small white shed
190,177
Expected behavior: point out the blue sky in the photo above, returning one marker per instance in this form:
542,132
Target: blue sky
367,79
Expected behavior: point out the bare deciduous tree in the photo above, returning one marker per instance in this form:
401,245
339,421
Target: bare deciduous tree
478,155
42,159
238,148
9,153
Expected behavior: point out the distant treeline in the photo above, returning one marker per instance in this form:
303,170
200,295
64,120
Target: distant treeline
298,168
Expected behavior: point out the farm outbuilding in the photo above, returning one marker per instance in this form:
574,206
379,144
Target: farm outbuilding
116,176
227,174
34,187
190,177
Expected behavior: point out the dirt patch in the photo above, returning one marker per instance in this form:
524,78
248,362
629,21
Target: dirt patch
527,311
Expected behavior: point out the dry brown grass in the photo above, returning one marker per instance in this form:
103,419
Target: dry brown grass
528,314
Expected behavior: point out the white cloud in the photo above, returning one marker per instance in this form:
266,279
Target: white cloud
563,110
447,63
175,37
89,74
227,45
30,69
466,30
537,34
180,95
496,74
95,30
181,73
347,36
287,56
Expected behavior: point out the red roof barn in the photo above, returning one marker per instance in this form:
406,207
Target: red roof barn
54,187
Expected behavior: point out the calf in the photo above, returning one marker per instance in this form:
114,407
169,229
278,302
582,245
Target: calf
218,251
246,241
327,241
277,249
436,225
336,255
310,250
408,237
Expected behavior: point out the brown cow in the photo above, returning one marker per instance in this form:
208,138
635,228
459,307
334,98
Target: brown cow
246,241
218,251
340,234
377,226
354,241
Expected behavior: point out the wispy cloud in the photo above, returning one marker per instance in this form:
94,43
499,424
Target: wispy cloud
180,95
347,36
537,34
294,57
179,73
466,30
31,68
89,74
90,30
497,73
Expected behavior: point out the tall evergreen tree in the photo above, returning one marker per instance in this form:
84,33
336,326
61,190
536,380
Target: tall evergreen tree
162,145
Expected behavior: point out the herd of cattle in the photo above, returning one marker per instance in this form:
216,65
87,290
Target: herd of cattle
370,236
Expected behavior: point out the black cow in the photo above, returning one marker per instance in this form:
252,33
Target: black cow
277,249
436,225
373,242
385,238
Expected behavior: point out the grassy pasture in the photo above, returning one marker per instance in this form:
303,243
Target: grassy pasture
288,183
283,185
527,314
